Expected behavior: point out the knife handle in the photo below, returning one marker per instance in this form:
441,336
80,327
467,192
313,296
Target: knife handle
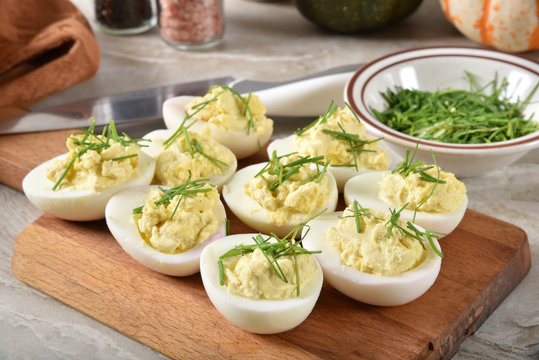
305,98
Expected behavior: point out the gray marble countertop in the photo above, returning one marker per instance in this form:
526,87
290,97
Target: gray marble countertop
263,41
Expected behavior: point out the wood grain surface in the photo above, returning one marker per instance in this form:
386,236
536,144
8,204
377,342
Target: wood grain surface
20,153
81,265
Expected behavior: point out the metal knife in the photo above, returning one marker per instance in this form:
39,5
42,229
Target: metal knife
296,98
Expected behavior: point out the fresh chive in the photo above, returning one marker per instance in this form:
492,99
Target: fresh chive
317,178
68,167
458,116
182,129
408,166
353,112
221,272
414,232
92,142
356,216
426,177
246,108
227,227
355,144
215,161
124,157
321,120
298,285
342,165
284,176
285,171
259,240
187,189
193,145
188,142
358,212
188,116
272,251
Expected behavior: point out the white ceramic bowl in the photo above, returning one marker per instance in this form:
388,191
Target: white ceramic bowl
438,68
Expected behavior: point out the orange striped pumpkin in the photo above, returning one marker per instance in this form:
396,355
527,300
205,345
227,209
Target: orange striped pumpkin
508,25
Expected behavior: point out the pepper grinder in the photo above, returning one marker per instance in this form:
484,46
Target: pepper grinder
125,17
191,25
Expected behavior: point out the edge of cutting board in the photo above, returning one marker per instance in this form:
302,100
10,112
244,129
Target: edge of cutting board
81,265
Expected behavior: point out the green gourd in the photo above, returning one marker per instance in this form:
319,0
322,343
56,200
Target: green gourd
350,16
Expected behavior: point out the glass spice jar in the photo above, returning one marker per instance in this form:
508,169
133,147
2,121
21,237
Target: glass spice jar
191,24
125,17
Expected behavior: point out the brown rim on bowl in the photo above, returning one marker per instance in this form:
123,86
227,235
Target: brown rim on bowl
407,138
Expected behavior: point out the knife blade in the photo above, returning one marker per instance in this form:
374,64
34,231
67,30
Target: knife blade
298,98
133,106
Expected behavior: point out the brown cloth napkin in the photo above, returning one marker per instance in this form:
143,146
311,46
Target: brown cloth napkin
45,46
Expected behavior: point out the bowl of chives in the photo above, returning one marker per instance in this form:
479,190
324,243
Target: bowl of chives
476,109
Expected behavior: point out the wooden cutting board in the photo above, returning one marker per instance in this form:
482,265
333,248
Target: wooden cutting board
81,265
20,153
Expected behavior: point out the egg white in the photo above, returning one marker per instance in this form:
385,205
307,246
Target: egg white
253,214
239,142
78,205
118,216
258,316
369,288
156,147
364,188
342,174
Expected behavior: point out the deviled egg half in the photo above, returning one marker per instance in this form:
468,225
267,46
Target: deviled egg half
339,136
166,228
236,121
276,196
433,199
374,257
261,283
77,185
184,154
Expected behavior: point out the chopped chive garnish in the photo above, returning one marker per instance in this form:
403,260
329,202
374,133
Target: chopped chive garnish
187,189
193,145
356,216
458,116
227,227
246,108
182,129
124,157
321,120
272,251
190,119
342,165
215,161
92,142
408,166
318,176
285,171
221,272
358,212
412,231
355,143
353,112
426,177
